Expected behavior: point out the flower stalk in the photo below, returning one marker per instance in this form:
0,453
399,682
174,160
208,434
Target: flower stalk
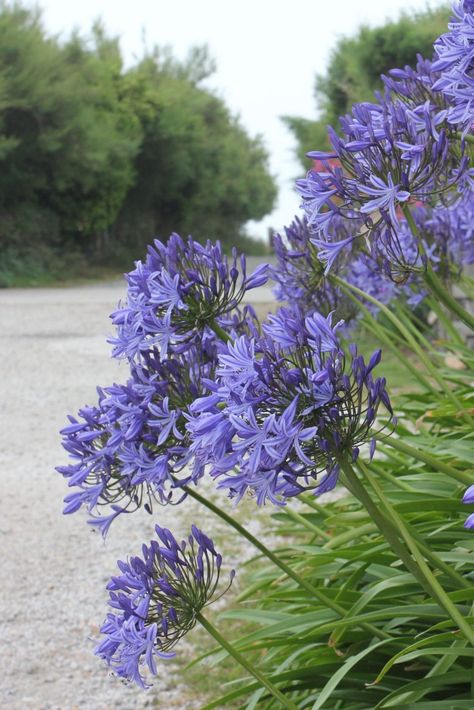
249,667
392,528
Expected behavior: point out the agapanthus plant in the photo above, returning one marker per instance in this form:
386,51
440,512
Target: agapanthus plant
391,153
156,600
285,408
132,448
455,62
301,279
181,290
299,274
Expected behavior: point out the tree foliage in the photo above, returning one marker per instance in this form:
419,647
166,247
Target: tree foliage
354,70
196,168
97,159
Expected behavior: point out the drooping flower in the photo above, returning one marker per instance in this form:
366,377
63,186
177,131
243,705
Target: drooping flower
155,600
284,408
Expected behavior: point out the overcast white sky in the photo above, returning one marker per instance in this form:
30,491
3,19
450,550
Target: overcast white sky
267,53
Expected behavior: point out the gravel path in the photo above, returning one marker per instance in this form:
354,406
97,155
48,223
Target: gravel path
54,569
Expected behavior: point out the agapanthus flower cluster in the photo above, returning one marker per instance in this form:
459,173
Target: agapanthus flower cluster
301,281
391,153
448,234
182,289
455,61
415,86
155,600
132,448
285,409
299,274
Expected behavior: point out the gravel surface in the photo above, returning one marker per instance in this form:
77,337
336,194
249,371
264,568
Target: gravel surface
54,569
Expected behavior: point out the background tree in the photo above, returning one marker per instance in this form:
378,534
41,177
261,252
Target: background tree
97,160
197,171
354,70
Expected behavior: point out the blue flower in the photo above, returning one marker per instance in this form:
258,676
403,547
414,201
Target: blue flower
133,447
329,252
302,410
386,196
321,333
155,599
179,293
455,62
401,148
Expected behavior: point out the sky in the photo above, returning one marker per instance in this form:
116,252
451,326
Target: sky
267,52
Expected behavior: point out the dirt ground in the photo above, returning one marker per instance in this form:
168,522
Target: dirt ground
54,570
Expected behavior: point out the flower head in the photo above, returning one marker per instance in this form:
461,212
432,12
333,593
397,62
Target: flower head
155,600
177,294
455,61
299,273
284,408
132,447
401,148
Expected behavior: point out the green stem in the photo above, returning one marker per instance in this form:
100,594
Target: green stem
445,321
249,667
307,499
380,332
407,335
397,482
298,518
320,596
387,529
433,280
416,332
219,331
264,550
431,581
416,564
420,455
413,228
451,303
469,138
436,561
466,284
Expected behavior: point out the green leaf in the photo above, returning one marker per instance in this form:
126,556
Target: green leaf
345,668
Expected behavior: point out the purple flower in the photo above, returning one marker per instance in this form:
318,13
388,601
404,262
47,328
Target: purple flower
177,295
386,196
455,62
299,273
132,448
303,408
236,363
400,148
329,252
469,495
469,521
321,333
155,599
469,498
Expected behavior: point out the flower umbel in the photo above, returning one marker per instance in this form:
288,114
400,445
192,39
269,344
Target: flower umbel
155,601
132,447
455,51
284,408
182,289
